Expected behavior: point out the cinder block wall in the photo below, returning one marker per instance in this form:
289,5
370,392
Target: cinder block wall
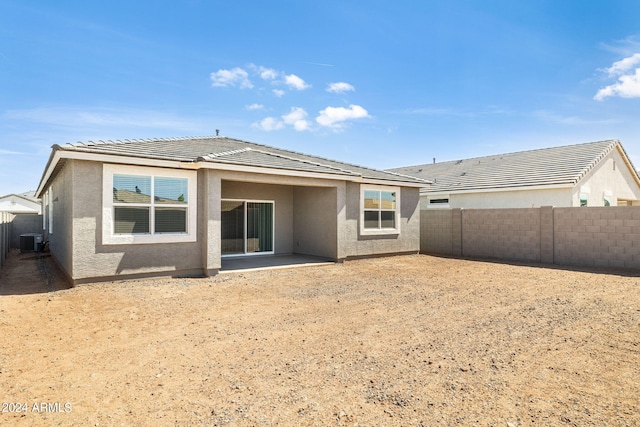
586,236
501,233
436,232
23,224
598,236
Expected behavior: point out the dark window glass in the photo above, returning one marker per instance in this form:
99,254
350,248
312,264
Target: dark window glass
171,220
131,220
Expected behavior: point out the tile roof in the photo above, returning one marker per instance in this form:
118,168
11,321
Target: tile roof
548,166
223,150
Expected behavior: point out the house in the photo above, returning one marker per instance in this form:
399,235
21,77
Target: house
181,206
25,203
591,174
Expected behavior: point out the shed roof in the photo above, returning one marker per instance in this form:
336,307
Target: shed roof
564,165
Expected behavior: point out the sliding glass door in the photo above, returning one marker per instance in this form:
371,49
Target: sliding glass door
247,227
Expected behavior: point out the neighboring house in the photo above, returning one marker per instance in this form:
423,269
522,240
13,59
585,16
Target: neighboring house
179,206
25,203
591,174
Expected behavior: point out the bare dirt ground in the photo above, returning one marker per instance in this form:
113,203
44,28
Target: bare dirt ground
399,341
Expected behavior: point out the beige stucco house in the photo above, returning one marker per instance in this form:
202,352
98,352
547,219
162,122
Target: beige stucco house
591,174
24,203
182,206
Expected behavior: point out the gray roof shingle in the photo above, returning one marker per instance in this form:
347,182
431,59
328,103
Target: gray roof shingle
223,150
548,166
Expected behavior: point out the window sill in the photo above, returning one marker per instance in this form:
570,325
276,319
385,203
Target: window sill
379,232
148,239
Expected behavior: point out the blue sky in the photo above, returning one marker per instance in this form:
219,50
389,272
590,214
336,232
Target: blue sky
378,83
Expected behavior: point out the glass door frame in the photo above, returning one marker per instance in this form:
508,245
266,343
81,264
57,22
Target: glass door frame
245,227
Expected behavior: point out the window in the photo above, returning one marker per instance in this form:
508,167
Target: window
380,210
44,211
147,205
440,202
50,216
584,199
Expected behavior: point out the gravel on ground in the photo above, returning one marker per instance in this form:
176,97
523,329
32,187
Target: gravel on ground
400,341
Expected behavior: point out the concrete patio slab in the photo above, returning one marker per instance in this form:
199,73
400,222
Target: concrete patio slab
262,262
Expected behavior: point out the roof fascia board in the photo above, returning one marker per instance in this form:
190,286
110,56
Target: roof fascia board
106,158
497,189
272,171
389,182
627,162
53,161
304,174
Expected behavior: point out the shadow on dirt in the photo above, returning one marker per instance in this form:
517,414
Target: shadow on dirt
622,272
30,273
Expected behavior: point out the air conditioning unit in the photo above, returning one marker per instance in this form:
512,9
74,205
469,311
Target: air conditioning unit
31,242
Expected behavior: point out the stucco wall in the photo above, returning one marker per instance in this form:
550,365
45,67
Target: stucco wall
610,177
91,258
60,242
561,197
315,221
209,214
353,244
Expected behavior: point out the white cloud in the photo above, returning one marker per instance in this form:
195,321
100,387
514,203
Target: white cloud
278,92
234,77
340,87
621,67
269,124
628,86
297,118
264,72
628,73
254,107
295,82
268,73
335,116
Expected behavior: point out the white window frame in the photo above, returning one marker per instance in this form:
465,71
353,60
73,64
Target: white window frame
50,216
438,205
583,196
44,211
379,231
108,235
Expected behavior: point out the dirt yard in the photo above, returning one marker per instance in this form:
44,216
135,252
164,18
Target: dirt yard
399,341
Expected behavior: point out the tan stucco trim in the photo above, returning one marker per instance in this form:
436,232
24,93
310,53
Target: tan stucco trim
424,192
627,162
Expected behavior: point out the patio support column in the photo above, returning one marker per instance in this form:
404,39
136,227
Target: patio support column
341,222
209,195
